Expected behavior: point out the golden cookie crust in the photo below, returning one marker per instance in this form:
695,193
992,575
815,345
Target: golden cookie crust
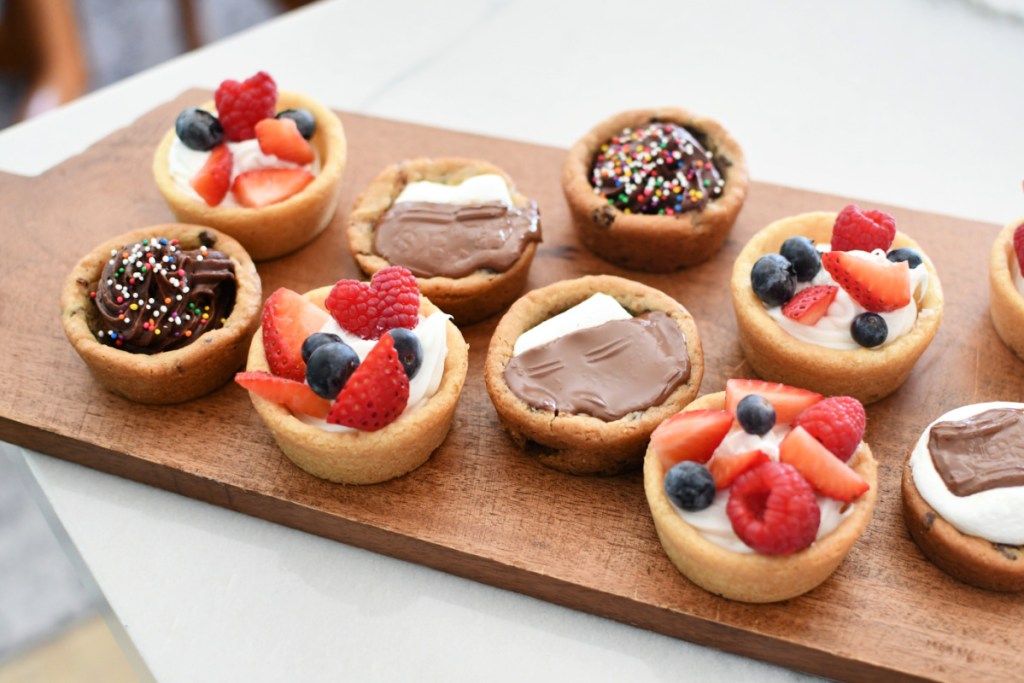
170,376
468,299
367,457
866,374
754,577
280,228
1006,305
581,444
645,242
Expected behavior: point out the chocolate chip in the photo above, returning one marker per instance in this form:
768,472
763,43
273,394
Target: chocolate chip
1010,552
929,519
603,217
206,239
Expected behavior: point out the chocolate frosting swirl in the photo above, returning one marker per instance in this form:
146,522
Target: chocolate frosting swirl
154,296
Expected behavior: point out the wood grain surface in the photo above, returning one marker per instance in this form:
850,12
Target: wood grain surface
480,508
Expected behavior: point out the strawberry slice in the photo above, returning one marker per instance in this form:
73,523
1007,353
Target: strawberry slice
878,286
295,396
266,186
862,230
1018,245
825,472
281,137
214,178
690,435
726,467
288,318
376,393
810,305
787,401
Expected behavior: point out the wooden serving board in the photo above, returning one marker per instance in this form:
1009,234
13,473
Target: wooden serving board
480,508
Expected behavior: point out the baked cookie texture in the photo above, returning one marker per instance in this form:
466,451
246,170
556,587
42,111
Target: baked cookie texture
754,577
281,228
652,242
367,457
581,444
868,375
1006,304
468,299
169,376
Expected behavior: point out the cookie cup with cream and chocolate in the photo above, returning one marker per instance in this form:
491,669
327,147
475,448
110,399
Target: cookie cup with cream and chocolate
580,443
1006,303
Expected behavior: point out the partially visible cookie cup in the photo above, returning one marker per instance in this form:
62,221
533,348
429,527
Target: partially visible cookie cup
281,228
357,457
1006,304
866,374
468,299
653,242
751,577
581,444
169,376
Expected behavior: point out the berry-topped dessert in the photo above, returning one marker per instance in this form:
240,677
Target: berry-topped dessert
459,225
581,371
1006,286
841,303
655,189
357,382
163,314
261,165
758,493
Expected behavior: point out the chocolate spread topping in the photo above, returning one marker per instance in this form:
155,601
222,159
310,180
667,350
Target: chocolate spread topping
982,452
153,296
606,371
453,240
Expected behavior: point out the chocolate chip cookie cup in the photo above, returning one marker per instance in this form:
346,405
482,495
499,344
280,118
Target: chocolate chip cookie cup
454,249
668,205
579,443
198,361
1006,303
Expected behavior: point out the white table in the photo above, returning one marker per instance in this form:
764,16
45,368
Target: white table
910,102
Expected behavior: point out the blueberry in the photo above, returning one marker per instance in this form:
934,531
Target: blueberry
869,329
756,414
315,341
805,259
302,118
329,368
773,279
199,130
409,349
690,486
907,254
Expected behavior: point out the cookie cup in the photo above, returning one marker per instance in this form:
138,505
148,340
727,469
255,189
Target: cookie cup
1006,305
468,299
751,577
169,376
581,444
358,457
281,228
866,374
646,242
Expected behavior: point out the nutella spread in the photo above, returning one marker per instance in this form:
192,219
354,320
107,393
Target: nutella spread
607,371
982,452
153,296
451,240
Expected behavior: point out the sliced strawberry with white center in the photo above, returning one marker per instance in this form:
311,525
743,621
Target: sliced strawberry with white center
214,178
878,286
295,396
825,472
810,305
725,467
690,435
288,318
788,401
266,186
281,137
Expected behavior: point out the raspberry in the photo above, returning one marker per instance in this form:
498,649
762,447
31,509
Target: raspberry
391,299
1018,244
773,509
864,230
837,422
376,393
240,106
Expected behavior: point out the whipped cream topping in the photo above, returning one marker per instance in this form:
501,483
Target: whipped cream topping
597,310
713,522
994,515
433,335
478,189
833,330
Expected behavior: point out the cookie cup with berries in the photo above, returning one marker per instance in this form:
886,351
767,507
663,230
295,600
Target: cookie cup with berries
867,374
362,457
277,229
1006,303
752,577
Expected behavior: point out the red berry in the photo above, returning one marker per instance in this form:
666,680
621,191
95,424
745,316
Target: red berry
288,318
281,137
391,299
837,422
240,106
726,467
376,393
295,396
810,305
690,435
266,186
820,468
773,509
1018,245
864,230
214,178
878,286
788,401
